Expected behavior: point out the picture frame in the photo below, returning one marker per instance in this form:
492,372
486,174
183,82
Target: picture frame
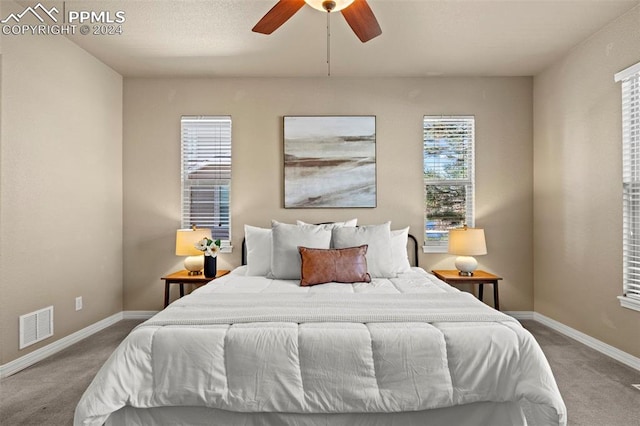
330,162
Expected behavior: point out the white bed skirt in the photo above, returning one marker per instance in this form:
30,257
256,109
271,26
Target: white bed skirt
484,413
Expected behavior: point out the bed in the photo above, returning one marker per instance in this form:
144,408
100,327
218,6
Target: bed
255,349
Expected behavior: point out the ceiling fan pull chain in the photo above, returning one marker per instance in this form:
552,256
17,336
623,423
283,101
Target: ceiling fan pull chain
329,43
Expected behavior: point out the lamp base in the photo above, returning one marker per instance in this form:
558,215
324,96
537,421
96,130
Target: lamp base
466,265
194,264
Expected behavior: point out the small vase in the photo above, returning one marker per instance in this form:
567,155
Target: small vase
210,266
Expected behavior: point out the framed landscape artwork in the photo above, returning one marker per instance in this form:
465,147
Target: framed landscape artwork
329,161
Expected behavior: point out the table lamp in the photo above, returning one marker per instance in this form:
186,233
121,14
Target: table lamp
185,246
466,243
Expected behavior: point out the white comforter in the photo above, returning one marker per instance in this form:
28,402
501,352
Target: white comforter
250,344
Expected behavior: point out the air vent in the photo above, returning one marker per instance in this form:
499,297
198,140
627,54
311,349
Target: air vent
36,326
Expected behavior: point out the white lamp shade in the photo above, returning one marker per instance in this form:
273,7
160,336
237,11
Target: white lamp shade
317,4
187,238
467,242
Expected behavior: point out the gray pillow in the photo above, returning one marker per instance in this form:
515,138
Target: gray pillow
378,237
285,258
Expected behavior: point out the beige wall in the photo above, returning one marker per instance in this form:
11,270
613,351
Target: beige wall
551,200
578,187
152,110
60,186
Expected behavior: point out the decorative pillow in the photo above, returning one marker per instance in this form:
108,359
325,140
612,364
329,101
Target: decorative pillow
258,242
348,265
285,258
378,238
399,250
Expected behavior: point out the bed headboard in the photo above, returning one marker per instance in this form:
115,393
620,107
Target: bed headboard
412,247
412,250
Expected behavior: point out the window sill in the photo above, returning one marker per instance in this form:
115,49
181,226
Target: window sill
432,249
629,303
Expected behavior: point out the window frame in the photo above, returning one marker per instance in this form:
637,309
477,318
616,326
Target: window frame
469,182
217,178
630,78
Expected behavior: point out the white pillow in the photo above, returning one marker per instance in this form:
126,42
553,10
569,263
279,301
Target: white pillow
399,250
285,258
258,243
332,225
380,263
352,222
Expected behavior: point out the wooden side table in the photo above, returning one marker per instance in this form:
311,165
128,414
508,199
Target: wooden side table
182,278
479,277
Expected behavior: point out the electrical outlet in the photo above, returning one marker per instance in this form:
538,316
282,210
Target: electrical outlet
78,303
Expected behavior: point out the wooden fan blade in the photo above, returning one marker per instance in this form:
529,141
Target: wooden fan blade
362,21
278,15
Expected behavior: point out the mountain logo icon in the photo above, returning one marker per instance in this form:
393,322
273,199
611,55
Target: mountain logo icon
43,11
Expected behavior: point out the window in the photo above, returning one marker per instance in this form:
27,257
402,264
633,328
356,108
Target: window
448,178
206,175
631,185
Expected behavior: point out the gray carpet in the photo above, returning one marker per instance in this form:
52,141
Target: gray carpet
596,389
47,392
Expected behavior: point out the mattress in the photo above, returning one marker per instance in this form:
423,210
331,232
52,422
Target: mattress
254,350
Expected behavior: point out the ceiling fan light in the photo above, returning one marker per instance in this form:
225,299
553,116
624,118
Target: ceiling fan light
340,4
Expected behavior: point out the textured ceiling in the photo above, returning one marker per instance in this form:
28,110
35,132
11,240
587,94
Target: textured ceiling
419,38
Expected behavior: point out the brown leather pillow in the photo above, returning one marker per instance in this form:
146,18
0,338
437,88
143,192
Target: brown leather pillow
347,265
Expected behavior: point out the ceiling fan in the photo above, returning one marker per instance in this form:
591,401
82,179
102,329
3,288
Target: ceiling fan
357,13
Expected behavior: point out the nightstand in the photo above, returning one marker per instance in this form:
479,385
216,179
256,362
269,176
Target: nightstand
182,278
479,277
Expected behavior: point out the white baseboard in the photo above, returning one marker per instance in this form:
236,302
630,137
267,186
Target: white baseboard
140,315
60,344
520,315
46,351
589,341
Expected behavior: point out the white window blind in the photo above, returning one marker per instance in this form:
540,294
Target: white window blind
448,148
206,174
631,184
